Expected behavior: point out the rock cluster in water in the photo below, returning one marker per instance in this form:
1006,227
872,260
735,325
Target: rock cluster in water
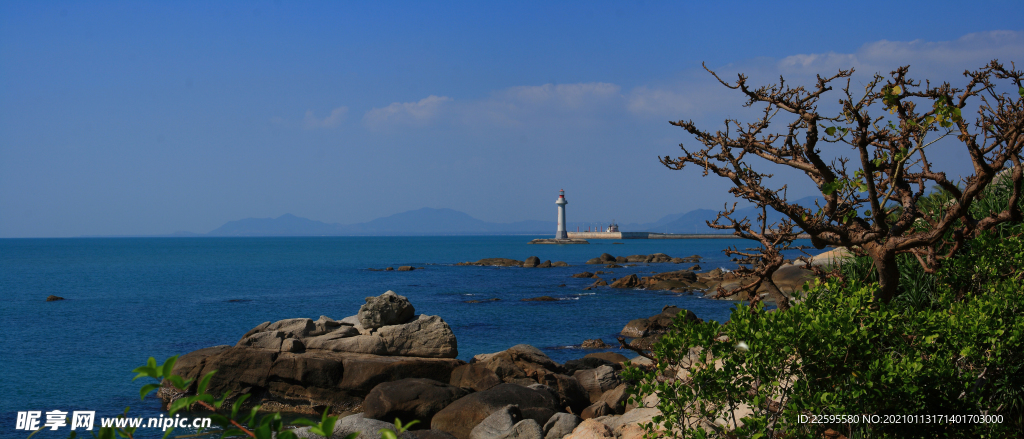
386,362
606,258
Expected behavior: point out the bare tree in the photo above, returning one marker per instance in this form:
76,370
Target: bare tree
871,199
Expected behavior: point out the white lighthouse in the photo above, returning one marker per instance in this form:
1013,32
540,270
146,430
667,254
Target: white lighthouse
561,233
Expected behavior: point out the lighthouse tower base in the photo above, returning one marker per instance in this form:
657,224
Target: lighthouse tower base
561,234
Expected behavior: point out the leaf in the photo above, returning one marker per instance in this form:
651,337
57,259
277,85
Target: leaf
830,131
1020,91
896,90
386,433
146,389
205,382
168,366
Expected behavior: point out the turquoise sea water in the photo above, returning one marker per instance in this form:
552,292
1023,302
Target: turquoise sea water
132,298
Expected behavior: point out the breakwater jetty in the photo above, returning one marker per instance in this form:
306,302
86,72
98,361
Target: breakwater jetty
649,235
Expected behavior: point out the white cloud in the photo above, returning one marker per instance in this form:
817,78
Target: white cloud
334,119
970,51
571,96
697,94
644,100
407,113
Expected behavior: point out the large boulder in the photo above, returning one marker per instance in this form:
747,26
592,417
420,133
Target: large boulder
560,425
410,399
636,328
301,364
570,392
606,258
427,336
475,377
597,381
791,278
301,381
387,309
365,428
461,416
597,410
616,398
531,262
507,423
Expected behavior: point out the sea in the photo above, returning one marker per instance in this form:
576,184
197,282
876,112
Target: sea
129,299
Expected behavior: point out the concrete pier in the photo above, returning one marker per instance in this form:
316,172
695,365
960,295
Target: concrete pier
608,235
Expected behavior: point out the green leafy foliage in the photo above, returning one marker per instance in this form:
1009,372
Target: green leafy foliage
952,345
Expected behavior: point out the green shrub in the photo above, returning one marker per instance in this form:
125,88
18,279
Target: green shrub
953,346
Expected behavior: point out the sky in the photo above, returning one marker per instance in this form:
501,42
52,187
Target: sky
139,118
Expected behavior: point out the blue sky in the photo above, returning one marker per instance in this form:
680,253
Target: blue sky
127,118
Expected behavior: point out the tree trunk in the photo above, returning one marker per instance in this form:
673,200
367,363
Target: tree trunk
888,273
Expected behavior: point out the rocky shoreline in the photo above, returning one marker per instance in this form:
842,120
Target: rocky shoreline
387,362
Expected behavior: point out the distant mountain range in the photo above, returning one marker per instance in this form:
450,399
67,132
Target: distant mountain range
429,221
424,221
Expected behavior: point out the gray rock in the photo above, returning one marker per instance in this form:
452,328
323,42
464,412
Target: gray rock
293,328
269,340
531,261
410,399
324,325
597,410
531,354
361,344
387,309
545,264
475,377
427,336
616,398
636,328
507,423
461,416
559,264
597,381
560,425
367,429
